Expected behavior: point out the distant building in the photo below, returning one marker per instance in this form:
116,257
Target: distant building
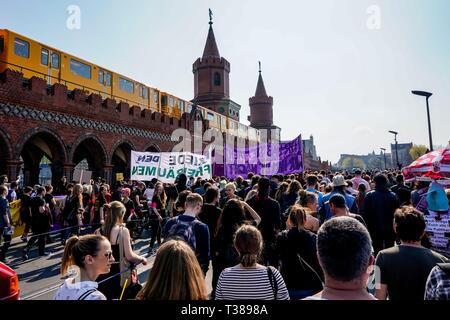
370,161
404,158
310,159
310,148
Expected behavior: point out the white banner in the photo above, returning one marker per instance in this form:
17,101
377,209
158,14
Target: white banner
166,166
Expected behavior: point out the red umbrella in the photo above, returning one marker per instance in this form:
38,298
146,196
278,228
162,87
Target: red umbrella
435,165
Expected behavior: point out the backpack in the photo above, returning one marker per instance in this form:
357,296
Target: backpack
184,231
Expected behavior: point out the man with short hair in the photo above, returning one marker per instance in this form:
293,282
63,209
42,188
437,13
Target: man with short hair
339,209
339,184
402,191
344,250
403,270
311,183
379,208
357,180
188,228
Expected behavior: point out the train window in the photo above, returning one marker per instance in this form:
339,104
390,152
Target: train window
210,116
170,102
181,104
2,43
126,85
101,77
190,108
44,57
163,100
21,48
155,97
108,79
143,92
80,69
55,60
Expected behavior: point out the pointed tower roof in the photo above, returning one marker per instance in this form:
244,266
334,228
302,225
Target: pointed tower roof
260,89
211,49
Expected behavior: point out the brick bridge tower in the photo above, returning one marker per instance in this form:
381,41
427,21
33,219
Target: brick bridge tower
261,109
212,79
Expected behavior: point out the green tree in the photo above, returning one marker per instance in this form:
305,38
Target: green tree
417,151
351,162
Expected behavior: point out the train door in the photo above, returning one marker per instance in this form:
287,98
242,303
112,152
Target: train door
51,59
105,80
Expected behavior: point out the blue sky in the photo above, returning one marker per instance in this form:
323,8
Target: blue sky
330,75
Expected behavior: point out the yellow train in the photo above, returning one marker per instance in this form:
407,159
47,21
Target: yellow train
33,58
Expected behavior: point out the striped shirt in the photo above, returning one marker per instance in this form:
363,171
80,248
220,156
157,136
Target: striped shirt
239,283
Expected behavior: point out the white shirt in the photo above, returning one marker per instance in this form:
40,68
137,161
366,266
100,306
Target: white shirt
148,193
357,181
72,290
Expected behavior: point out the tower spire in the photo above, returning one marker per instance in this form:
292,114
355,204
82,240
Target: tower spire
211,49
260,88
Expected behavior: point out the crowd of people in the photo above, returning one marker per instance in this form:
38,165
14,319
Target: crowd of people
358,235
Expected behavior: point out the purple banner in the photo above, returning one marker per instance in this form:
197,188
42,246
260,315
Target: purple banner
241,161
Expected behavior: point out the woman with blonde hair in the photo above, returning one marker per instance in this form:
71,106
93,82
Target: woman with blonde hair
176,275
93,256
296,251
250,280
309,201
118,234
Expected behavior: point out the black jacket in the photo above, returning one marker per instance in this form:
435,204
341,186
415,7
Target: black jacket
379,208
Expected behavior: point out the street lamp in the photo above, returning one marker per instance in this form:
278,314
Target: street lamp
426,95
383,152
396,148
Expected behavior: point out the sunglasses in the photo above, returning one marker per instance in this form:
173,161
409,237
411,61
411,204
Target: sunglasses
108,254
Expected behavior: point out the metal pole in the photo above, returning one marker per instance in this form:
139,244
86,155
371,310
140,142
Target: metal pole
429,126
385,165
396,153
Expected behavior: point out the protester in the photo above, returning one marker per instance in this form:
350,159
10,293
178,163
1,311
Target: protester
40,223
357,180
379,208
311,186
308,201
25,212
93,256
338,186
345,254
339,208
5,223
402,191
230,190
157,215
175,275
360,197
289,197
438,283
403,269
118,235
296,249
269,211
232,217
72,212
188,228
210,215
250,280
